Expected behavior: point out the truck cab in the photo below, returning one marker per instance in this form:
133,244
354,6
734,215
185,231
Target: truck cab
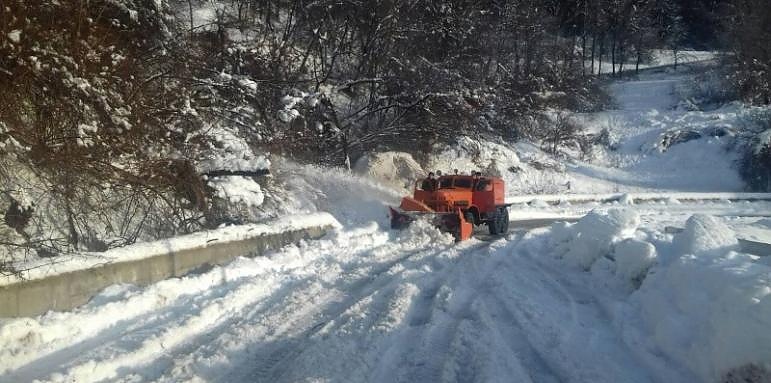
481,200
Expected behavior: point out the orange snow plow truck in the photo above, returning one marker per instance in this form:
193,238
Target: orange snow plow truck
455,203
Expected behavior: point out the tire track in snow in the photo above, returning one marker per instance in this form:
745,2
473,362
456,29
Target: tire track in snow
284,328
279,347
562,323
152,311
274,367
505,323
156,337
295,295
433,346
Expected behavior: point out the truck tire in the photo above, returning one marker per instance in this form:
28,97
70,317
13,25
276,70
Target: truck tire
494,223
504,220
499,223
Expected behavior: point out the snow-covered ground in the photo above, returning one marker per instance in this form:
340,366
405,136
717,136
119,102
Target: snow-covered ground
660,58
368,304
658,141
614,297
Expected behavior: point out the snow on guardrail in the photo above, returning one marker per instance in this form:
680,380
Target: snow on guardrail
43,268
610,197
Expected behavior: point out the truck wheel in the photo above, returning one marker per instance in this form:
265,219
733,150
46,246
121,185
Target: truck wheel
504,214
494,223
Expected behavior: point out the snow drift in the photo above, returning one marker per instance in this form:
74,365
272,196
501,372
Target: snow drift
709,308
700,302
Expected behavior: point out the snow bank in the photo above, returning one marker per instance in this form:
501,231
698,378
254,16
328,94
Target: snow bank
592,237
709,308
706,236
698,301
42,268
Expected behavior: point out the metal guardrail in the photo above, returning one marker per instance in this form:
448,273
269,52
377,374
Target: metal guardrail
554,199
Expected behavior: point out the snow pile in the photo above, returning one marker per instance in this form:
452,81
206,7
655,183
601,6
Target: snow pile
705,236
238,190
698,301
524,167
633,259
421,232
594,236
709,307
392,168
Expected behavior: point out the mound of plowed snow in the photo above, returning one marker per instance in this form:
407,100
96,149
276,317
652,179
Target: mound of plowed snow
700,301
594,235
395,169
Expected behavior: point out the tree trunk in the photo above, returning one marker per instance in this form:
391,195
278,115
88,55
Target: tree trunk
190,7
599,58
674,52
583,39
639,53
516,56
613,55
594,45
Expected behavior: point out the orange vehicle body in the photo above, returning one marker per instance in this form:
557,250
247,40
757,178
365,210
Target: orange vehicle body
457,204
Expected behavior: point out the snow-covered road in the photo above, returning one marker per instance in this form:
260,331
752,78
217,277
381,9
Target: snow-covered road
361,305
366,304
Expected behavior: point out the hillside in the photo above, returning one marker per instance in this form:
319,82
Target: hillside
653,138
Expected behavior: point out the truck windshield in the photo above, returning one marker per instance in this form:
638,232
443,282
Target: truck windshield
464,183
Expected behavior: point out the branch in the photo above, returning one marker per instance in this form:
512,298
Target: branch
244,173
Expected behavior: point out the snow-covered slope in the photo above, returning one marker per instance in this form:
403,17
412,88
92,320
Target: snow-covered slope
658,141
663,145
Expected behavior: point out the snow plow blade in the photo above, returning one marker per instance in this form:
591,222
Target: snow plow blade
454,223
399,220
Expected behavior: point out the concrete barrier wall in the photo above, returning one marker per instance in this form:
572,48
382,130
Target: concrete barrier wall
69,290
